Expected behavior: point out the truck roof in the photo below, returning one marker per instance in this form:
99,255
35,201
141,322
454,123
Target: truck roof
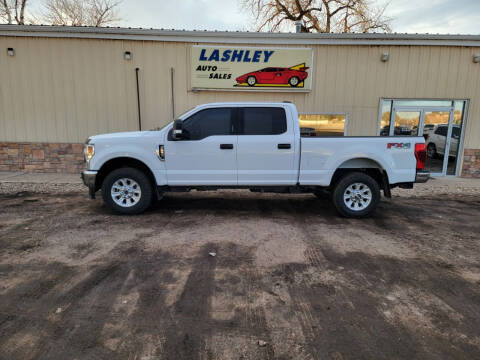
239,103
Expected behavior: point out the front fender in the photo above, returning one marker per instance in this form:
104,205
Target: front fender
146,154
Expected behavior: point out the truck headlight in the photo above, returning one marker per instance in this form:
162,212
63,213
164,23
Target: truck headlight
88,151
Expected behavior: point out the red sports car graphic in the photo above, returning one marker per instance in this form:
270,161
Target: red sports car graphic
275,76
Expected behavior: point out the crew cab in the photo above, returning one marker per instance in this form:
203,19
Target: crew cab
256,146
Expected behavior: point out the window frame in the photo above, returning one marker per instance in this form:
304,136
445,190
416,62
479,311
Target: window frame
239,120
393,100
345,128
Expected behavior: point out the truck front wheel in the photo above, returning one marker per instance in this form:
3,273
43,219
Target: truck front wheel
356,195
127,191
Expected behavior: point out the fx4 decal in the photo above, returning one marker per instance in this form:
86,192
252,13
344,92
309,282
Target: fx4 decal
398,146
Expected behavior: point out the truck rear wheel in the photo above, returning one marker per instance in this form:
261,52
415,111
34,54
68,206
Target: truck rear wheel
127,191
356,195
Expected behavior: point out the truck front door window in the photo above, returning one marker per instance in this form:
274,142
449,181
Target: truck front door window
209,122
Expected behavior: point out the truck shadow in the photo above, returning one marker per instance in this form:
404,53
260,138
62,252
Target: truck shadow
245,202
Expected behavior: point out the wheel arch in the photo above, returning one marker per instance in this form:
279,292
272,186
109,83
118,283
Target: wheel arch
119,162
362,164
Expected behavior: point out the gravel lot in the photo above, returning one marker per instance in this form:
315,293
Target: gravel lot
289,279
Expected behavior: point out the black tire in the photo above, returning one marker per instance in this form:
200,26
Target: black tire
294,81
340,191
253,82
146,190
432,151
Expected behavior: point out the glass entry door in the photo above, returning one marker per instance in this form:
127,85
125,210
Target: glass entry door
435,131
435,125
439,121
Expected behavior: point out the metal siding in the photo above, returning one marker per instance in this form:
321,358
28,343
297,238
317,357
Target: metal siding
62,90
7,124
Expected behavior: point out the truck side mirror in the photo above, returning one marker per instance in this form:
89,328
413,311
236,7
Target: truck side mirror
177,130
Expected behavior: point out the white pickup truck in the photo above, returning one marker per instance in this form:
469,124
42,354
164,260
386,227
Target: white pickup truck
256,146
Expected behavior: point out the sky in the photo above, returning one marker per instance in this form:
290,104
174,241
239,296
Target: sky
411,16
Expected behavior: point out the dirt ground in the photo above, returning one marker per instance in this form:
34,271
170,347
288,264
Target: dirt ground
289,279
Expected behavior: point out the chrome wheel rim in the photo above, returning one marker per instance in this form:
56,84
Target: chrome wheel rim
251,80
126,192
294,81
357,196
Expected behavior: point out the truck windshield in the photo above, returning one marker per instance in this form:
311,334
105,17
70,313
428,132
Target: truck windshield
178,117
181,116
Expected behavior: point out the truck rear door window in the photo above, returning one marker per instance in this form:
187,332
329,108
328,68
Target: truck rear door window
208,122
262,121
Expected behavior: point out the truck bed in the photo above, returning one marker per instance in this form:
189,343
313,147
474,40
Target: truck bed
320,157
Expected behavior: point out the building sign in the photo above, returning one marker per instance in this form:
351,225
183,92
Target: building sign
251,68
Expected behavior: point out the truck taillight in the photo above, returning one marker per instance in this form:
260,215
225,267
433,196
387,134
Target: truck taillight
420,155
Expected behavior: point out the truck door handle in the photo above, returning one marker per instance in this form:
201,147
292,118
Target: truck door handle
284,146
226,146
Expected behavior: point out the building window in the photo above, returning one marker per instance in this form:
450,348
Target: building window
322,125
386,112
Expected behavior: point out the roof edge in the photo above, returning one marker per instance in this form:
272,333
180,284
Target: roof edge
237,37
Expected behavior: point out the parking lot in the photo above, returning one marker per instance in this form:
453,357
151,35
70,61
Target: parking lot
237,275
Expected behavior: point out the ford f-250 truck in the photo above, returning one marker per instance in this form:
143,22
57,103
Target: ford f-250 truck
256,146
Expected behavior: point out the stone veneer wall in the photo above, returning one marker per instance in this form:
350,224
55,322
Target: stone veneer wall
41,157
471,163
68,158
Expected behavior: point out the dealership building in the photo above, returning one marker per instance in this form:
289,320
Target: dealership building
59,85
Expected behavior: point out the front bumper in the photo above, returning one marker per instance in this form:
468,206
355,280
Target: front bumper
89,178
422,176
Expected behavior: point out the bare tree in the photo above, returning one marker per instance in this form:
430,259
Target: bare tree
81,12
13,11
319,15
